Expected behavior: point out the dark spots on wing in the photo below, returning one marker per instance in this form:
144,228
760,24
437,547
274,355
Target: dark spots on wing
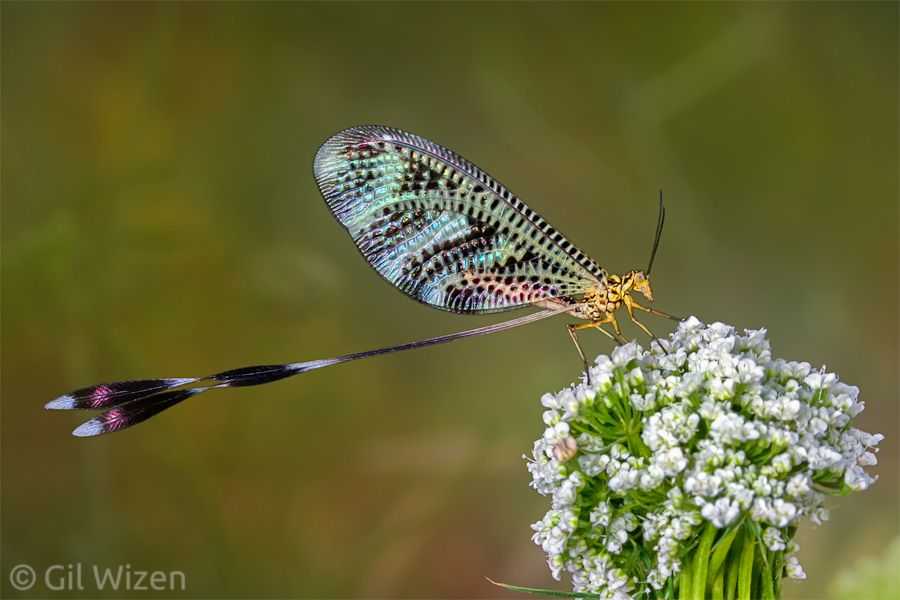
535,261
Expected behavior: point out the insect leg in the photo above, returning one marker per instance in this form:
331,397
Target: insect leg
615,336
572,328
597,325
644,328
654,311
611,318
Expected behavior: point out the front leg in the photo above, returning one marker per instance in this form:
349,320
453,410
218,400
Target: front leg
629,305
597,325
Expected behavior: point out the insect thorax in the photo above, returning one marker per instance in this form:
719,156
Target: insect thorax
598,302
593,305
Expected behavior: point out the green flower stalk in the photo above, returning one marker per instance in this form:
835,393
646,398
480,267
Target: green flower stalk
685,473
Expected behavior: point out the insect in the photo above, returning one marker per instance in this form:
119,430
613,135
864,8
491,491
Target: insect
443,232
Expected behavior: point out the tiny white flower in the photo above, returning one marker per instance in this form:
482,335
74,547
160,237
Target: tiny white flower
556,432
643,402
748,371
593,463
762,486
721,513
799,485
651,478
567,493
622,355
819,515
600,515
857,479
568,401
782,463
721,388
549,401
773,540
867,459
671,461
793,569
551,417
783,512
821,457
683,525
703,484
636,376
625,479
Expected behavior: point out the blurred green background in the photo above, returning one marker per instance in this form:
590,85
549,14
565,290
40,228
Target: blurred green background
160,219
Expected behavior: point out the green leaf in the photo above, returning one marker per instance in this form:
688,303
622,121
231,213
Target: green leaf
745,576
718,587
684,582
720,551
542,591
701,562
768,586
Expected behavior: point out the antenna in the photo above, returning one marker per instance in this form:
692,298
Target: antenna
659,227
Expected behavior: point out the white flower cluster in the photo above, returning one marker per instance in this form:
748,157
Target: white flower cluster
660,442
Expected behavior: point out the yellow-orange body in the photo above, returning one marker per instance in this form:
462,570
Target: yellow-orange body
598,306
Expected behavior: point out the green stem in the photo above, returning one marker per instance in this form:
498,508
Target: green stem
701,562
745,575
777,571
684,583
768,587
721,550
718,587
731,588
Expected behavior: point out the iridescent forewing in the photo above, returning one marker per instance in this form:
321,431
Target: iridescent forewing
441,229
